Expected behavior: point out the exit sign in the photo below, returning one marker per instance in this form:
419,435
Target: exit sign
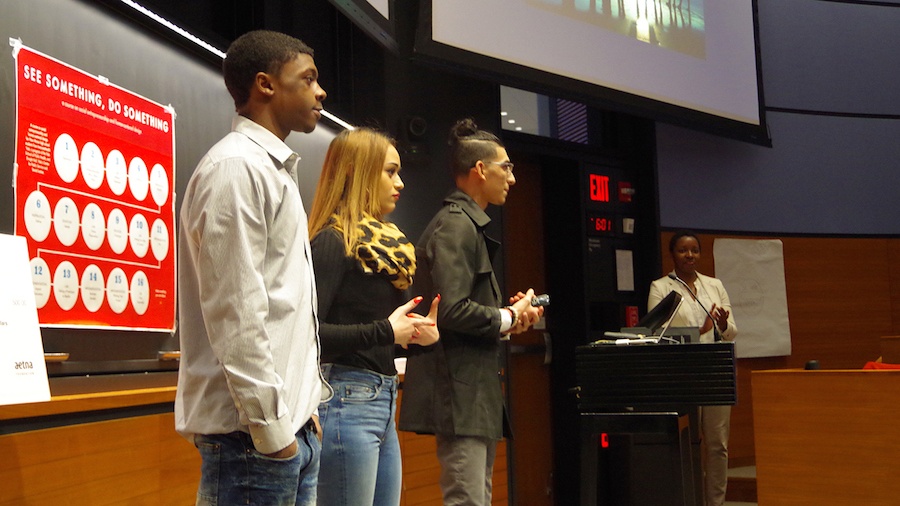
599,188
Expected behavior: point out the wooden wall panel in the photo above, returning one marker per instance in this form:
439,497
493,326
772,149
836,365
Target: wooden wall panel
843,296
838,299
893,261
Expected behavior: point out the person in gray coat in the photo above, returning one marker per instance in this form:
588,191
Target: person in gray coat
453,389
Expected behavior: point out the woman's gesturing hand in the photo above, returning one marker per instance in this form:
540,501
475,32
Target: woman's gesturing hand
414,328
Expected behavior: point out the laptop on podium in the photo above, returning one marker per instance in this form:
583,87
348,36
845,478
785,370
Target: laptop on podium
654,326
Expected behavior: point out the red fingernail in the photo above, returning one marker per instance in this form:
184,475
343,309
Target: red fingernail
418,299
411,315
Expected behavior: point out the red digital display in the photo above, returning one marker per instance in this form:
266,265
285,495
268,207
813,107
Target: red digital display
599,188
600,225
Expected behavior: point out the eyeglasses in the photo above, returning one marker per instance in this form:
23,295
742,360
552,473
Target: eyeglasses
508,166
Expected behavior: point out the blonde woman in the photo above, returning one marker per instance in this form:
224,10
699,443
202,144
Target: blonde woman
364,266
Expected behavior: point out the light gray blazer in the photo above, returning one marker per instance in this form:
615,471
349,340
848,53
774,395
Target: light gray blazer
683,318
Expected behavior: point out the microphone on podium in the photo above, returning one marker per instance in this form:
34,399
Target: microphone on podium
716,335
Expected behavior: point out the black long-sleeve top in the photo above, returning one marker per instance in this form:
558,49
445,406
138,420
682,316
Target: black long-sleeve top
353,308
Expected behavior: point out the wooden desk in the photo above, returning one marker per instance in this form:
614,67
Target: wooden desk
125,456
827,437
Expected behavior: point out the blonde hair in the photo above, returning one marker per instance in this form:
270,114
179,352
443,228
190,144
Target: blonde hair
349,179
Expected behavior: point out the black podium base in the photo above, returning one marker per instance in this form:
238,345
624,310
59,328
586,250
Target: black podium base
640,459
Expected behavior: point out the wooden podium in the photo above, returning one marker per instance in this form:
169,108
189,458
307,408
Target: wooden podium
639,432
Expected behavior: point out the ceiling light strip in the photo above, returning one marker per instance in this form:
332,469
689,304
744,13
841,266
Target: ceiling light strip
205,45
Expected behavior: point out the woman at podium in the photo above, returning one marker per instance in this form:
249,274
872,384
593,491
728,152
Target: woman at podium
706,306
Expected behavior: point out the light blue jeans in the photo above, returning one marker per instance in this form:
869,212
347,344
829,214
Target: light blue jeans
360,450
233,472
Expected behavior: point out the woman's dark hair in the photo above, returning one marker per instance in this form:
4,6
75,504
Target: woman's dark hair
257,51
468,144
678,235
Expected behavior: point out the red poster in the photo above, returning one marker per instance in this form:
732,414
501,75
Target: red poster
95,198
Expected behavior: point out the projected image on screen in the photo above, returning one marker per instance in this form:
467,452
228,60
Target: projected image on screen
689,62
677,25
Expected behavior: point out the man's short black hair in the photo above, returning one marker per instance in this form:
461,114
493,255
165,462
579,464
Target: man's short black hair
254,52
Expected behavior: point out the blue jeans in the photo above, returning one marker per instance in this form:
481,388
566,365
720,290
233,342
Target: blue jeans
360,449
233,472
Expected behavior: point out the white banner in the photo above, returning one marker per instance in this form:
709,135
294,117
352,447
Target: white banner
23,373
753,274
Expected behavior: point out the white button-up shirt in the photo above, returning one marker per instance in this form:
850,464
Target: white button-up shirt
247,296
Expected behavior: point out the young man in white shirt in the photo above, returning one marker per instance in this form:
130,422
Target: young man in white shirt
249,381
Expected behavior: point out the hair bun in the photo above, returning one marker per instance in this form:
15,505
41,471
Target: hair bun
462,129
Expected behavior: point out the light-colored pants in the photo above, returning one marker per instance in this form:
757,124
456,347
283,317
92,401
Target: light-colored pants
715,422
467,466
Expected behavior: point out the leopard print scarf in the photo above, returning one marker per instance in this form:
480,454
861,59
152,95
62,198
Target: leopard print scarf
382,247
